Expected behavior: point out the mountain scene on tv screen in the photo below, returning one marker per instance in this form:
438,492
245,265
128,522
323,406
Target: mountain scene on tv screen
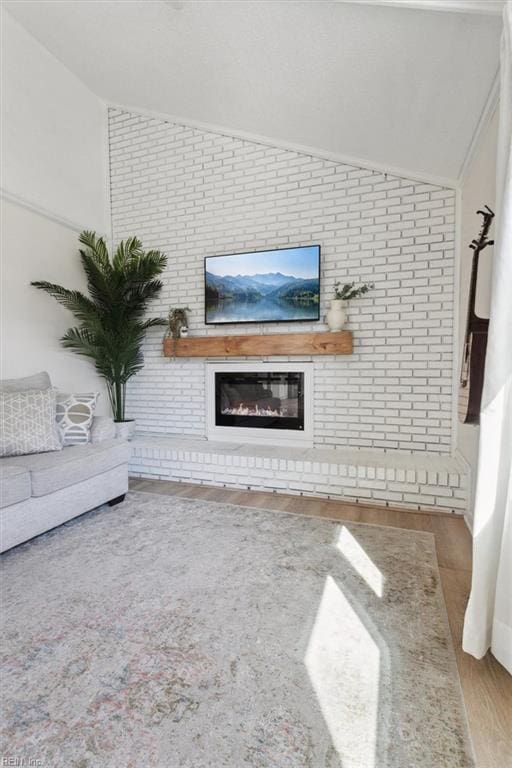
261,297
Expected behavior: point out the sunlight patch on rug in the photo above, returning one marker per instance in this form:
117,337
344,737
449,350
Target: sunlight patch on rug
342,660
358,559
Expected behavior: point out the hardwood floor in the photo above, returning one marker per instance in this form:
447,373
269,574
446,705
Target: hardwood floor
486,686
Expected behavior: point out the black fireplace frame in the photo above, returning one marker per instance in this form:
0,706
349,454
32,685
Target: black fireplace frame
293,423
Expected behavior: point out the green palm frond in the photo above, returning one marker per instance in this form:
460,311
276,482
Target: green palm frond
128,252
81,306
153,322
139,294
96,246
80,340
112,322
99,276
147,267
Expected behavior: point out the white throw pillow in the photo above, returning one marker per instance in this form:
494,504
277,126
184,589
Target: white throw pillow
74,417
27,422
103,428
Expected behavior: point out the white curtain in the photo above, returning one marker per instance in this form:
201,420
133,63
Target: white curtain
488,622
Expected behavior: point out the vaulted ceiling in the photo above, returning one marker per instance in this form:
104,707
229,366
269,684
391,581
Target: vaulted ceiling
384,82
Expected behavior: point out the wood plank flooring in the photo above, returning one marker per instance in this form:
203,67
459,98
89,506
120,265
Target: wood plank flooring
486,686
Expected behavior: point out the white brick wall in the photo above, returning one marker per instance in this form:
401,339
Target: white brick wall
193,193
419,481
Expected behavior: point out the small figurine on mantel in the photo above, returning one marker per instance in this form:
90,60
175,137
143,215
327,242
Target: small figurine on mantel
336,316
177,324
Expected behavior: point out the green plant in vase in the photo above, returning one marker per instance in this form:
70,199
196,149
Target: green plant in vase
177,325
349,291
337,314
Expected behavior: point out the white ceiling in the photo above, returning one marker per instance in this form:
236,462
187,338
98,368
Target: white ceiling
394,86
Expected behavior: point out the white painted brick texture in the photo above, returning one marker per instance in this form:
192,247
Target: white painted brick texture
393,479
191,194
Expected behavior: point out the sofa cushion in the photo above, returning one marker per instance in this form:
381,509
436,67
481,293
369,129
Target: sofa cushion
37,381
27,422
14,484
50,472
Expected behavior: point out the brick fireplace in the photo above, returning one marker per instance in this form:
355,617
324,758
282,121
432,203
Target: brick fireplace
378,425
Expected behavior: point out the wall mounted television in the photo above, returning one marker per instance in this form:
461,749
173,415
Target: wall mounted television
278,286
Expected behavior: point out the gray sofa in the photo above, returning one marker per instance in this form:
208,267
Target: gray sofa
42,490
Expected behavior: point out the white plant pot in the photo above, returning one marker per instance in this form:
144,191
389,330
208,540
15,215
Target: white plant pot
125,430
336,316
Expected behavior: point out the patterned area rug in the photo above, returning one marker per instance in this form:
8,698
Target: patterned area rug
172,633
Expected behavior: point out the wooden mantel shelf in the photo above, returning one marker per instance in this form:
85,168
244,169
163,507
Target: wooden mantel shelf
323,343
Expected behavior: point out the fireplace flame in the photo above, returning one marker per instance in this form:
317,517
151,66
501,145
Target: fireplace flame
251,410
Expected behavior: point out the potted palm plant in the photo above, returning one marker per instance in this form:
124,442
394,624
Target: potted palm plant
112,320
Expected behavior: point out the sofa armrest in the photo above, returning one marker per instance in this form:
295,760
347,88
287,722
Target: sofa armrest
102,428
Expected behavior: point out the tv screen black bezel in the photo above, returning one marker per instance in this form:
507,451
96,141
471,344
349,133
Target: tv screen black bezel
264,250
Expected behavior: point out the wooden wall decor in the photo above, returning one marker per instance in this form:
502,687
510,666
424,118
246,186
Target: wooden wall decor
323,343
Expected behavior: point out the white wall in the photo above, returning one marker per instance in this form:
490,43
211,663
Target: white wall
54,171
478,189
33,248
54,134
194,193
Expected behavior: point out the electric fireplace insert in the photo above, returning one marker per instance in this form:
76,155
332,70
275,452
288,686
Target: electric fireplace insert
260,399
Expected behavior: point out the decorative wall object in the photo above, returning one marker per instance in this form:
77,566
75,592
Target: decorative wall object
475,340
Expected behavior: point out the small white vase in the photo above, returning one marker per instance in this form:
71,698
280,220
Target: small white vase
125,430
336,315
